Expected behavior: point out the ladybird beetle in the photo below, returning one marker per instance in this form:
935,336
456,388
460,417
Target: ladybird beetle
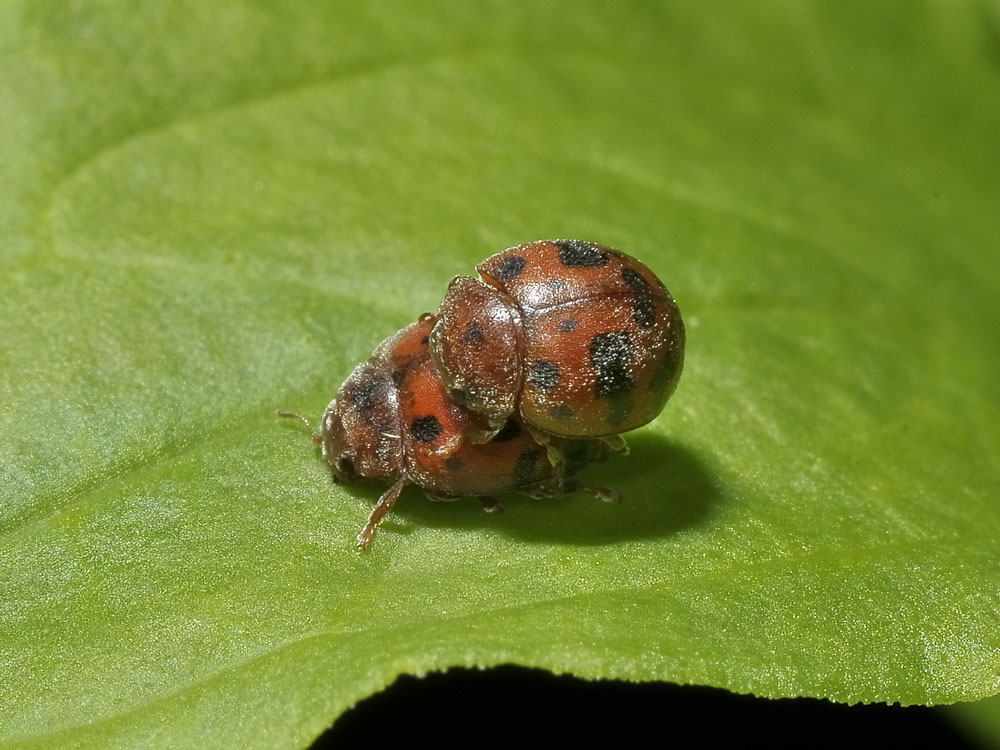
580,339
392,418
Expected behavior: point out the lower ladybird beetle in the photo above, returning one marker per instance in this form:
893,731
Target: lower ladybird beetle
392,418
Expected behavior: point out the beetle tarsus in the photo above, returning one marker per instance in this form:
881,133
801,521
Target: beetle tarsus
605,494
490,504
385,503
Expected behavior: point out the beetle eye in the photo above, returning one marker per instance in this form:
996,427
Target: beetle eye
345,469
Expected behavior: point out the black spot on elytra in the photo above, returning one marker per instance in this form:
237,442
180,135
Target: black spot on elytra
545,375
577,253
643,308
635,281
644,312
453,464
509,431
426,429
510,267
425,339
365,393
609,354
561,412
473,334
567,325
397,377
526,468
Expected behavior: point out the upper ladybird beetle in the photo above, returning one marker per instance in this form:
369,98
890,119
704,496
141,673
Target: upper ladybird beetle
578,339
392,418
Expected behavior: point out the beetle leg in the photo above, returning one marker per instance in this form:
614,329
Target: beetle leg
606,494
557,457
616,443
547,490
490,504
557,460
441,497
480,432
385,503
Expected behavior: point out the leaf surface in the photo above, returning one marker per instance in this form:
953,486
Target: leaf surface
215,211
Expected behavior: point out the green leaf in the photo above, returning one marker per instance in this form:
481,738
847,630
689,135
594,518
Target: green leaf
213,211
979,721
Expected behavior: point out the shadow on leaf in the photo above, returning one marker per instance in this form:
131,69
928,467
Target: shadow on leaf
666,488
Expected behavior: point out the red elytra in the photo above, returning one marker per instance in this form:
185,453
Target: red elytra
578,339
392,418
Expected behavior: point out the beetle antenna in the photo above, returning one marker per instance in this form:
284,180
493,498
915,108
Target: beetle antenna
316,437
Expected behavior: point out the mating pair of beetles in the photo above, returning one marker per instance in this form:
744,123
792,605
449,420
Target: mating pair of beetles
522,378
